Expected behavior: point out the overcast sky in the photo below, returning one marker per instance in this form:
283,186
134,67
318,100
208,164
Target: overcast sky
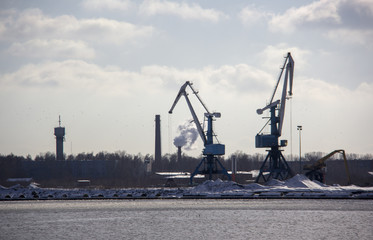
108,67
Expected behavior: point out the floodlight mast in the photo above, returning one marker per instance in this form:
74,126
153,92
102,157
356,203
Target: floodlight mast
210,161
278,167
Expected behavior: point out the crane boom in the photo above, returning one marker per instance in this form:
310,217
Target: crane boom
288,80
180,93
183,92
200,100
278,81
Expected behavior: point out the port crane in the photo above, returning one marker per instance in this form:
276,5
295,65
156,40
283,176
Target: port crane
314,170
210,163
275,165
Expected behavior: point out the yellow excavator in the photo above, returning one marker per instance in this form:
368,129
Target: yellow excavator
314,170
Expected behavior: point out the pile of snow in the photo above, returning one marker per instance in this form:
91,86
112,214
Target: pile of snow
301,181
217,186
254,186
275,183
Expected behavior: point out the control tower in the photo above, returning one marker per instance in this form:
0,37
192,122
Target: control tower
59,132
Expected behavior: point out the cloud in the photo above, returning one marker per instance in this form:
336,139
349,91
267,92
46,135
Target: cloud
250,15
352,36
54,48
182,10
270,57
78,75
327,14
361,9
225,78
323,11
238,78
33,24
334,116
320,91
119,5
75,76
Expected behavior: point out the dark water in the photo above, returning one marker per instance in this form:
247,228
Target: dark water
187,219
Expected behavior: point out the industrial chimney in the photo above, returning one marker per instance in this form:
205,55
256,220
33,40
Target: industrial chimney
178,153
59,132
158,153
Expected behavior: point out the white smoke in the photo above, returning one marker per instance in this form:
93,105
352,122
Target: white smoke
187,135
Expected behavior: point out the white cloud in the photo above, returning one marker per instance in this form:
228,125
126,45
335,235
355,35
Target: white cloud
333,116
323,11
227,78
320,91
82,76
71,75
250,15
183,10
271,56
352,36
54,48
121,5
240,78
32,23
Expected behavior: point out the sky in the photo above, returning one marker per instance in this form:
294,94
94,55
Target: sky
108,67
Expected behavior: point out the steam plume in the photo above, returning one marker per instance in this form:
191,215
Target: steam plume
187,135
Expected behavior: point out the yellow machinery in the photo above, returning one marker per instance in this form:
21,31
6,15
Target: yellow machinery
314,169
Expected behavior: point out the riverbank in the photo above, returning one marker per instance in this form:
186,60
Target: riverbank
298,187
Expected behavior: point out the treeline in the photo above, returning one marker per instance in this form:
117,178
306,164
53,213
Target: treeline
121,169
104,169
170,160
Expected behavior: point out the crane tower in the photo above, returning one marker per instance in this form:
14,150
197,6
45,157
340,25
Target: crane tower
275,165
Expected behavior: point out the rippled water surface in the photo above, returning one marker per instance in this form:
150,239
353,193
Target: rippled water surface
187,219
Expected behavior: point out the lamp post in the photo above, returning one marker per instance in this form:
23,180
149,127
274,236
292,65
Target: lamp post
299,128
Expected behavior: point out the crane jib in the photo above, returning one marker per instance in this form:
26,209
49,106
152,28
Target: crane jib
210,147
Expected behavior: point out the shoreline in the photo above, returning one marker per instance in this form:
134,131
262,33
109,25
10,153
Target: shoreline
298,187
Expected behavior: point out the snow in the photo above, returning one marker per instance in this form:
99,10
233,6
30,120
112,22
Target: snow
297,187
217,186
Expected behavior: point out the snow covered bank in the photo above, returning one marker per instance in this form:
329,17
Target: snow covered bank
297,187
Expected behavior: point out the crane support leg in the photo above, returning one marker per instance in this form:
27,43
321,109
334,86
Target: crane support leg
275,166
211,165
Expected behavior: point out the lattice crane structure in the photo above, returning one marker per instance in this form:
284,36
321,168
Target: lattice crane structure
210,163
275,165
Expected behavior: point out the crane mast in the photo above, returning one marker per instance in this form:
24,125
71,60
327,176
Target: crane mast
210,164
275,165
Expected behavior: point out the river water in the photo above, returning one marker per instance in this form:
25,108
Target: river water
187,219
